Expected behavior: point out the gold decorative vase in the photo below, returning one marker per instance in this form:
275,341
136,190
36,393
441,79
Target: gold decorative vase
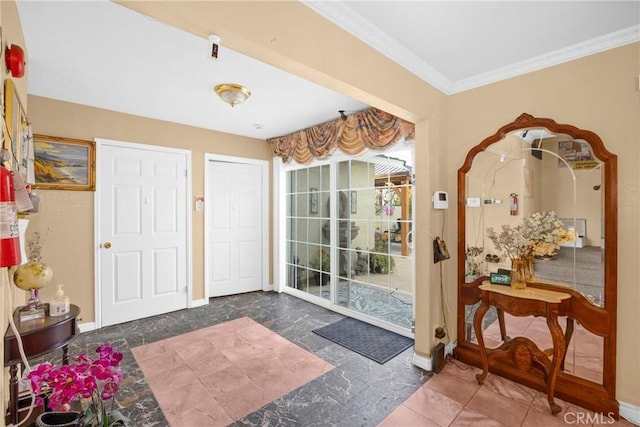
519,271
530,268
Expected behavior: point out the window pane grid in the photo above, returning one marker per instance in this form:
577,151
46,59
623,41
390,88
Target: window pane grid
373,216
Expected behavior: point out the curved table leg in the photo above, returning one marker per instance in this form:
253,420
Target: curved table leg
477,326
558,355
503,327
567,339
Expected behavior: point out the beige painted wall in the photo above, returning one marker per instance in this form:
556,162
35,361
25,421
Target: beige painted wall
66,217
598,93
11,33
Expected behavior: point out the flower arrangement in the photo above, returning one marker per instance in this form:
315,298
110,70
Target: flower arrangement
509,241
93,380
539,235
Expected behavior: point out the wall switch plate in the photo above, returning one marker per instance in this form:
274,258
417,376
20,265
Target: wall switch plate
473,202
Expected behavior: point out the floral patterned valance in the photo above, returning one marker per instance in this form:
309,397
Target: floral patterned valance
373,129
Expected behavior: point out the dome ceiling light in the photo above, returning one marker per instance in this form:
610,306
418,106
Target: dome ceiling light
232,93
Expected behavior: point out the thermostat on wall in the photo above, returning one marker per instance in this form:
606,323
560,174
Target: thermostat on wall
440,200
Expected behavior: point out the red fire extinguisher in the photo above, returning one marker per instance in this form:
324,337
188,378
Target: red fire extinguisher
9,230
513,205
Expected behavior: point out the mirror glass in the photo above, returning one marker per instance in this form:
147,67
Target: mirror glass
545,176
555,175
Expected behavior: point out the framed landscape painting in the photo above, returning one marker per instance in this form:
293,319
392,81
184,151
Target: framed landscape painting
64,164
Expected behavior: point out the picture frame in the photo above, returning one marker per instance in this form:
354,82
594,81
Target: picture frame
313,200
577,154
19,143
64,163
354,202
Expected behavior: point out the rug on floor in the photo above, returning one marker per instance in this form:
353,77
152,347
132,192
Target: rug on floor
217,375
368,340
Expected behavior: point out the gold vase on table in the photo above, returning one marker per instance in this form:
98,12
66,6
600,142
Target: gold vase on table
519,271
530,267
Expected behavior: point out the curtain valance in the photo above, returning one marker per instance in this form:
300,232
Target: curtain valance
373,129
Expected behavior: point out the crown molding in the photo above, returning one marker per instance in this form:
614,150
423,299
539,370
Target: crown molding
570,53
345,17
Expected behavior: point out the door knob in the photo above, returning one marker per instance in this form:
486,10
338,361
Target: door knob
107,245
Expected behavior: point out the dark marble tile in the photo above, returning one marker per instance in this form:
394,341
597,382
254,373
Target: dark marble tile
357,392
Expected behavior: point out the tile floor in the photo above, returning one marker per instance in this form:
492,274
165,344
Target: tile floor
357,392
453,397
234,368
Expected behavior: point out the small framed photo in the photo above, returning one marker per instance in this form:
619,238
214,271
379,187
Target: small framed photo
354,202
313,200
19,142
64,163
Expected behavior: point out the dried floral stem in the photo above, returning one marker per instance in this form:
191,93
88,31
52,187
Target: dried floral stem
539,234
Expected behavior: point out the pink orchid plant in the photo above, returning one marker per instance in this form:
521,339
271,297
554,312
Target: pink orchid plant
93,380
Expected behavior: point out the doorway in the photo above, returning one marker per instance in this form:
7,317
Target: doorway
142,231
236,225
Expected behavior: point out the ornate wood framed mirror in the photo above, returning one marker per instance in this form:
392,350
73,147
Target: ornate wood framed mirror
548,168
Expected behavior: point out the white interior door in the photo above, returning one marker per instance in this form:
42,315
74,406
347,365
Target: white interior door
234,228
142,231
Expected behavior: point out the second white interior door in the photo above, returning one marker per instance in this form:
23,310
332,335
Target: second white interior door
234,218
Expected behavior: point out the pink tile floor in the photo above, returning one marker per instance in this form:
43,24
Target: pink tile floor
454,398
216,375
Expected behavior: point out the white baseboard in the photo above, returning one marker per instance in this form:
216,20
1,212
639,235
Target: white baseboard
423,362
198,303
630,412
86,327
268,288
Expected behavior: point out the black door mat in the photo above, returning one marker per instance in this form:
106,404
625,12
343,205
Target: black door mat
370,341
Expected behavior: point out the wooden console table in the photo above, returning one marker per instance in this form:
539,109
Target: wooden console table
39,337
524,302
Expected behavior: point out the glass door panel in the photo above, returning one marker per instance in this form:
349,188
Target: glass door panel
370,256
307,233
374,243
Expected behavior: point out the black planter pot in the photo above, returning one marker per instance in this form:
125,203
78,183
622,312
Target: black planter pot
59,419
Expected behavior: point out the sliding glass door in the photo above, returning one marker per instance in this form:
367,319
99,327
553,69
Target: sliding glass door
308,255
349,236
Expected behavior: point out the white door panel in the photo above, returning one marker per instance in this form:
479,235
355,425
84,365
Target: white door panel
143,215
234,228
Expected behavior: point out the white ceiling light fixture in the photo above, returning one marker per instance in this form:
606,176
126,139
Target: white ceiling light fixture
232,93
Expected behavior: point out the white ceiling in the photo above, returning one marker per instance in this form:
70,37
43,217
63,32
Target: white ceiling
459,45
101,54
